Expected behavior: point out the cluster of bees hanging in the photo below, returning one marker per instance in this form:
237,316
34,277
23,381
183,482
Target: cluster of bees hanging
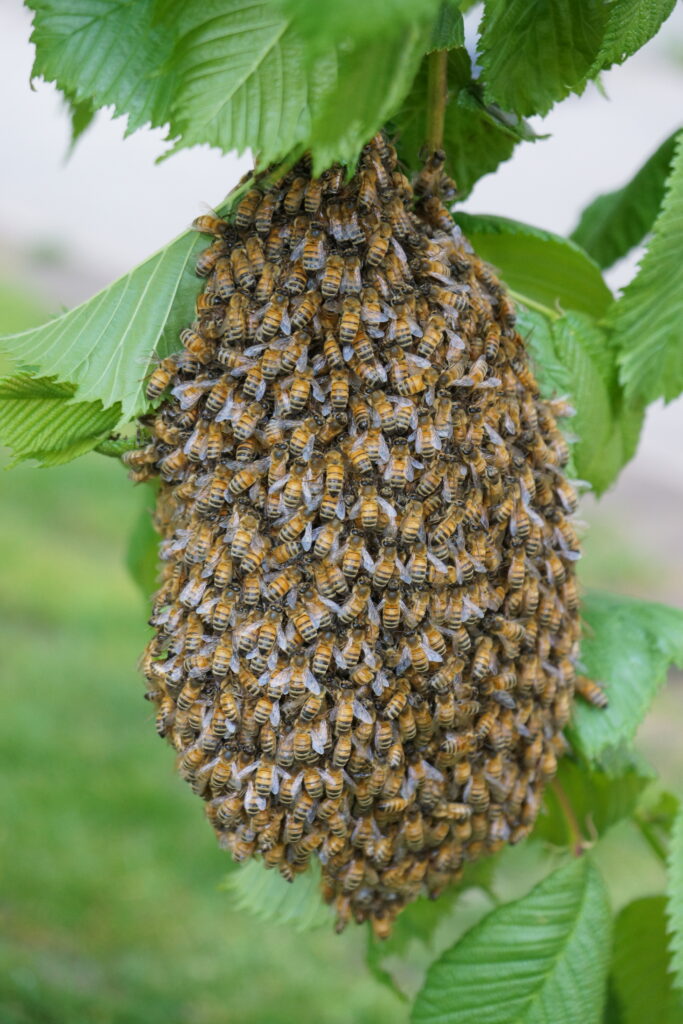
367,625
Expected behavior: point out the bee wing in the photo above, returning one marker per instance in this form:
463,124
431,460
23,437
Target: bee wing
400,252
429,650
307,537
380,682
319,736
339,659
472,610
368,563
384,504
373,614
362,713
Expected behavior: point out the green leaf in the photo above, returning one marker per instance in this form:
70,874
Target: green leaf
235,74
371,83
581,348
449,27
612,1013
647,321
630,24
242,80
267,896
612,224
323,26
142,556
540,960
106,345
81,115
107,53
40,420
628,646
572,357
535,52
477,136
675,898
598,797
245,80
542,270
641,971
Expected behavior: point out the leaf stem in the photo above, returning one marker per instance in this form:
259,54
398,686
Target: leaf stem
578,842
437,97
115,447
524,300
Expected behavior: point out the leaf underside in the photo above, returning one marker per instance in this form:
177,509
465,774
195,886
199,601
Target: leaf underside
39,419
628,646
614,223
647,321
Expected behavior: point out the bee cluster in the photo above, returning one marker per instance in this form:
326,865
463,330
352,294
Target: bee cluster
367,626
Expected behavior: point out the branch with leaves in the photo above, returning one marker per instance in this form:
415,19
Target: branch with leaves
284,77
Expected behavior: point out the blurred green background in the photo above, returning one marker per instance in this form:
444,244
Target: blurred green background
110,897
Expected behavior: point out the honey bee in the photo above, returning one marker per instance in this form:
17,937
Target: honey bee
306,309
273,316
378,245
398,218
313,196
210,224
399,470
350,319
517,569
296,281
356,603
235,321
206,261
264,214
248,421
244,537
391,605
342,751
242,269
351,281
266,283
591,691
412,521
275,242
160,378
294,196
427,440
314,248
245,210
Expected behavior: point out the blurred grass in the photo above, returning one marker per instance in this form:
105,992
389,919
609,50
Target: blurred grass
110,908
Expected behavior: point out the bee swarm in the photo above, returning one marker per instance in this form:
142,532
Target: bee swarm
367,624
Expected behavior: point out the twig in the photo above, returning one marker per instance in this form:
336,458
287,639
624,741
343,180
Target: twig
437,96
578,842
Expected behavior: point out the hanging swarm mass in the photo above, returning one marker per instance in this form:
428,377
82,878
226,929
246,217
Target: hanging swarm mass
367,625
